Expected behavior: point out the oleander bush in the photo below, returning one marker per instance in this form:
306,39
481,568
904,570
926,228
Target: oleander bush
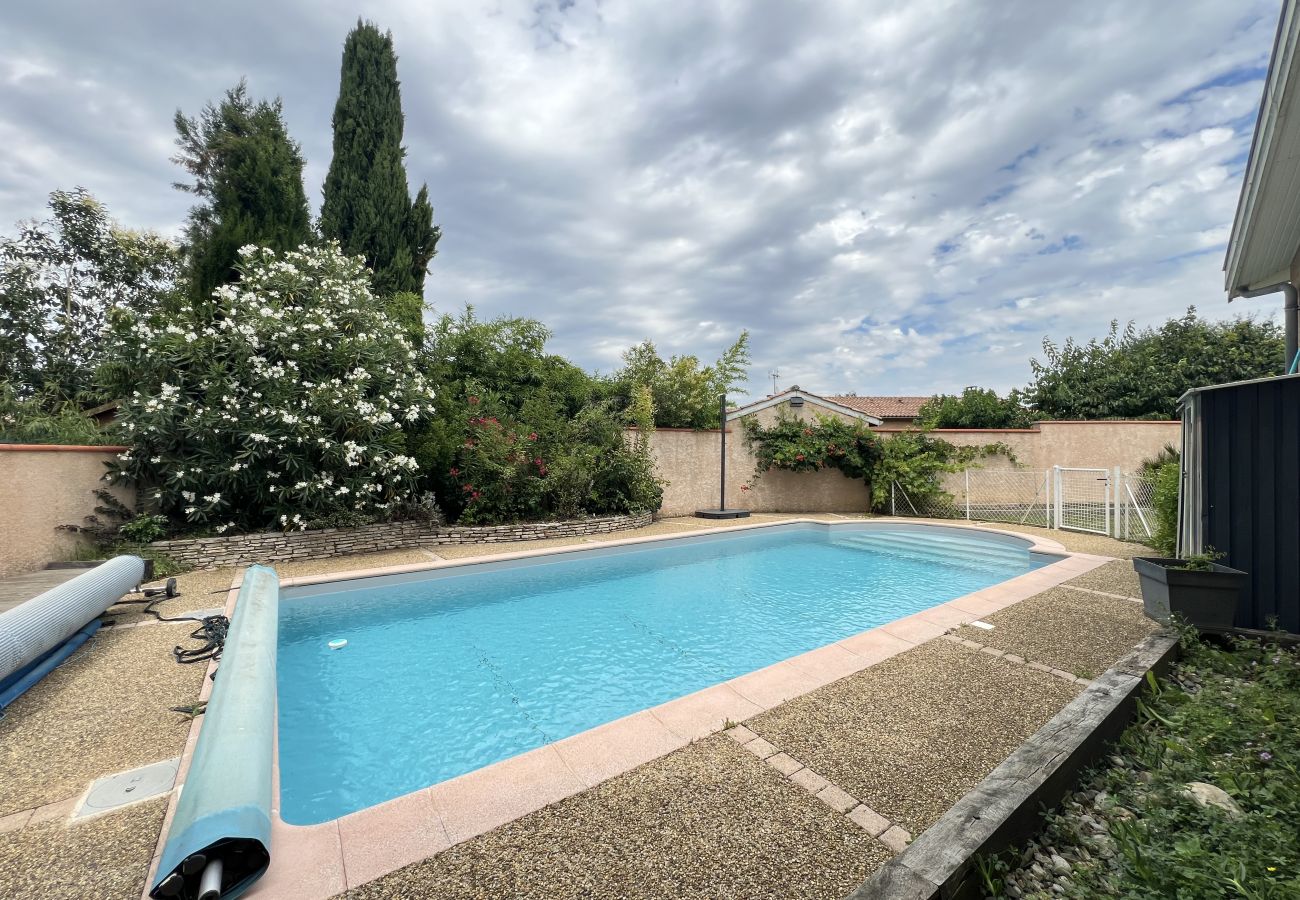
284,398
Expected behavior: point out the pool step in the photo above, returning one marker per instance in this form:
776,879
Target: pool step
978,546
943,545
967,553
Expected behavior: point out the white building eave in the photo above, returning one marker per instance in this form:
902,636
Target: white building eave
1266,227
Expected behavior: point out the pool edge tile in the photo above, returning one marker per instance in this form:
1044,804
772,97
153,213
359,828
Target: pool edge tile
772,685
608,750
704,712
487,798
380,839
829,663
875,645
914,628
307,863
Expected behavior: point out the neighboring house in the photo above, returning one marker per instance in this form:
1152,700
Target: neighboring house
893,412
803,405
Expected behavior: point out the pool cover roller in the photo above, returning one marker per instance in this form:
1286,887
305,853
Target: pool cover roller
222,825
37,635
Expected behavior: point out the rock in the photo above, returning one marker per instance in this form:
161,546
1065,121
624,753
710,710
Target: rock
1013,890
1209,795
1145,777
1059,865
1037,871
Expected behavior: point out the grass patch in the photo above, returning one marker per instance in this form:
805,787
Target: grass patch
1225,717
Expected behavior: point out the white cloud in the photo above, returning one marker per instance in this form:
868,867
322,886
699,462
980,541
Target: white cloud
891,198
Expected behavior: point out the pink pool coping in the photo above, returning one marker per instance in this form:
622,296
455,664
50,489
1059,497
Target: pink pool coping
314,862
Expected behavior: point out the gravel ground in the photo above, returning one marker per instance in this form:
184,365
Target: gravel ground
1114,578
102,711
1083,634
709,821
1080,542
911,735
105,858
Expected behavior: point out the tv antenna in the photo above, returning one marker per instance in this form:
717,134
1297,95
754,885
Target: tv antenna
774,375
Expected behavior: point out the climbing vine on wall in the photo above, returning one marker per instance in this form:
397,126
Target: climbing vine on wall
914,459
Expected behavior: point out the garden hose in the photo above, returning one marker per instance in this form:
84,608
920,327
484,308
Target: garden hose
212,629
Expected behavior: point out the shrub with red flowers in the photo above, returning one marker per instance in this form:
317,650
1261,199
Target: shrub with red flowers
510,472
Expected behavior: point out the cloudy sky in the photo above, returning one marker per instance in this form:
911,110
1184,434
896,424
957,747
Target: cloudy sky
892,197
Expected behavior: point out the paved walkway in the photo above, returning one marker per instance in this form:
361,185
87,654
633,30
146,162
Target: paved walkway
21,588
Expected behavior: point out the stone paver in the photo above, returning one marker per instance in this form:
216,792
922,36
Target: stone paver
868,819
896,838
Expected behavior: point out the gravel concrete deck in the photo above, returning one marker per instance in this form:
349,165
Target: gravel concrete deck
1113,578
104,858
912,734
710,820
104,710
1076,632
1078,541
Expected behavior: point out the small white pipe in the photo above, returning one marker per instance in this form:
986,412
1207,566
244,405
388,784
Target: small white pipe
210,883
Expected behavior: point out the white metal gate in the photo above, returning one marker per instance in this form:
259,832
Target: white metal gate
1082,499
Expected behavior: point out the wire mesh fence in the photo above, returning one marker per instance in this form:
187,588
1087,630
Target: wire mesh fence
1100,501
1016,496
1136,509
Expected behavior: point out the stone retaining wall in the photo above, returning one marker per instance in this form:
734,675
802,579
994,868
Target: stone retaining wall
247,549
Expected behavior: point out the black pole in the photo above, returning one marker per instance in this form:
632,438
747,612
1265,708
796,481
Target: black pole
722,497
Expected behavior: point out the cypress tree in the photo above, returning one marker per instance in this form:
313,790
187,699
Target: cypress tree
366,205
249,173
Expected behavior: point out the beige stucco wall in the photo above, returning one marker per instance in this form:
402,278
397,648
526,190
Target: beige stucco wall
688,460
41,488
1101,445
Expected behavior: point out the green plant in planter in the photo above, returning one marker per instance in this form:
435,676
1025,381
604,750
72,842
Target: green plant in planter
1202,562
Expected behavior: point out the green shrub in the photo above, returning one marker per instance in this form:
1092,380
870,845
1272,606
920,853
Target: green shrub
38,421
510,469
144,529
912,458
1168,478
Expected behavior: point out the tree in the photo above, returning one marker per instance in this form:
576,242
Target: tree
290,405
366,206
248,173
685,394
975,408
58,279
1141,374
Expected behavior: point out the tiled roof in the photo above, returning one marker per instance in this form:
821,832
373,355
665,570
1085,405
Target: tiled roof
884,407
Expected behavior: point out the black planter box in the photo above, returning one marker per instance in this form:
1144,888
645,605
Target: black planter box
1205,598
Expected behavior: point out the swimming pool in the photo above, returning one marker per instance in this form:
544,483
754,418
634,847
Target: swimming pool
449,670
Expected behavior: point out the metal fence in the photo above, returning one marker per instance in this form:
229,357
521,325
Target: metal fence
1100,501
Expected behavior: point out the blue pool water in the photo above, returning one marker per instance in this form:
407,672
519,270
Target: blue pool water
449,671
